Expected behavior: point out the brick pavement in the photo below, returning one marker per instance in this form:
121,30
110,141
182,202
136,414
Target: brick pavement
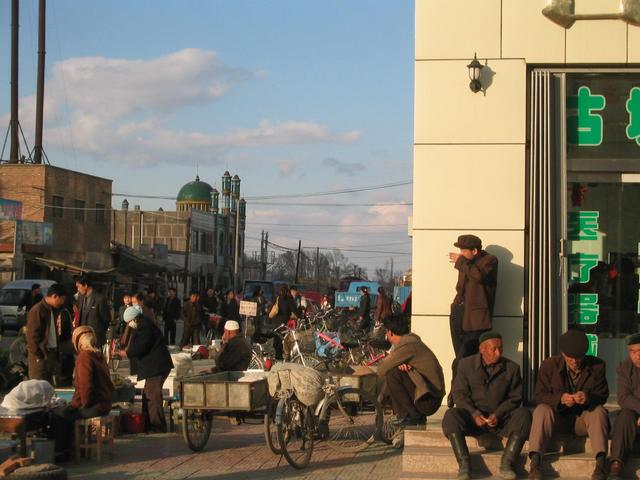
233,453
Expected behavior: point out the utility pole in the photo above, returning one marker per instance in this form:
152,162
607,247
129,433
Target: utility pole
37,148
391,274
13,123
298,260
317,269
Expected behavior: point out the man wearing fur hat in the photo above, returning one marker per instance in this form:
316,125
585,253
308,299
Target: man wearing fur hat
235,354
487,393
571,390
627,423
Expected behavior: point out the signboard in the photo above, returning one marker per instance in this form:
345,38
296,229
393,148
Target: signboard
248,309
10,209
35,233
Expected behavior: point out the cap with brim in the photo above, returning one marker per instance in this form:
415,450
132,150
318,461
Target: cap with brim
574,343
231,325
633,339
78,332
468,242
489,336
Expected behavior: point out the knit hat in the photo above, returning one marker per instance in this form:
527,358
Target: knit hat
633,339
231,325
78,332
574,343
489,335
132,312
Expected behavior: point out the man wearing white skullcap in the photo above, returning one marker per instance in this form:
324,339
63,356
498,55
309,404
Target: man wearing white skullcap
235,354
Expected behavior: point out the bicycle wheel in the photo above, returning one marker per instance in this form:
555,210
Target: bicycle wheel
18,350
270,430
295,427
354,419
389,430
307,360
256,362
196,428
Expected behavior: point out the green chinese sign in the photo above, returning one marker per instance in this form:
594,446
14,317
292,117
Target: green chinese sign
585,126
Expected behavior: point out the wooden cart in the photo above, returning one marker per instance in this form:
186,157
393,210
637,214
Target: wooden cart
207,395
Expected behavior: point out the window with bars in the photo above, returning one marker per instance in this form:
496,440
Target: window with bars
56,206
78,210
100,214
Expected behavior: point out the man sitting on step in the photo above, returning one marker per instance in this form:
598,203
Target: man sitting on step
571,390
413,376
627,424
487,392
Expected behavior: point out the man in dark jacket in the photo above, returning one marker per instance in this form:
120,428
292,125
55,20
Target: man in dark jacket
571,390
192,316
30,298
235,354
170,315
383,306
487,393
93,309
153,365
413,376
43,335
627,423
364,312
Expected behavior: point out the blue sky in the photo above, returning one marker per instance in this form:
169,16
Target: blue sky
293,96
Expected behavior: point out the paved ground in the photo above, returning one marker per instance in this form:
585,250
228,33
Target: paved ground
233,453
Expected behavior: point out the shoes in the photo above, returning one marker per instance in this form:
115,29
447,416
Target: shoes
535,468
409,420
600,472
615,470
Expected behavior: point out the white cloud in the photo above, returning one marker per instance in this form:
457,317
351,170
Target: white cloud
120,110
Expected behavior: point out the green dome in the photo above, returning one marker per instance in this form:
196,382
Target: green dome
195,191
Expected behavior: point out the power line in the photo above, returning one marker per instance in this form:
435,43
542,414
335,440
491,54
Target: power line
360,225
283,204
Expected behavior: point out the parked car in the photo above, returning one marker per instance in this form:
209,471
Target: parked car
11,295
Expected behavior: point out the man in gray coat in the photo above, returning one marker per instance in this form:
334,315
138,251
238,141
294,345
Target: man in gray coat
627,423
487,392
93,309
412,373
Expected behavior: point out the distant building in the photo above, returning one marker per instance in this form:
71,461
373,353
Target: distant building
198,238
62,219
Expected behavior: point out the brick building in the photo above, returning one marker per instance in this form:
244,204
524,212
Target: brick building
69,209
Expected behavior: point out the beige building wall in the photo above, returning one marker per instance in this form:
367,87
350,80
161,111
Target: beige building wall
470,148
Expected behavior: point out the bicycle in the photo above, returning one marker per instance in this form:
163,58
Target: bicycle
348,419
295,355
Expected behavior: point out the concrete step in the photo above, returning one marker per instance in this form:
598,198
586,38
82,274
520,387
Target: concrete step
432,437
439,462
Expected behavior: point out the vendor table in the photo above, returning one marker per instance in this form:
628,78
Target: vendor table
23,422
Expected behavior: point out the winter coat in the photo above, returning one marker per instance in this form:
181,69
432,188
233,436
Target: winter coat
234,356
192,314
93,382
95,312
383,307
628,385
148,348
476,289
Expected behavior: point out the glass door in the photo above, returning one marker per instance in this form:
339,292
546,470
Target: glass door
601,211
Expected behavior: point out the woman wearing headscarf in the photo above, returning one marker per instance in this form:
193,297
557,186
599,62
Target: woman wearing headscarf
93,389
153,364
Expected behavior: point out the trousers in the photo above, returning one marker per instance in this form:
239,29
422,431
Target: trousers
459,420
152,404
402,391
591,423
625,432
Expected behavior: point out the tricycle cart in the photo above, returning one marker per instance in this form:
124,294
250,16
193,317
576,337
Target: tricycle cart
207,395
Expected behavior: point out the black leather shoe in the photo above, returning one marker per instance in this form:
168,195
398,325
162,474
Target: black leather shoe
408,421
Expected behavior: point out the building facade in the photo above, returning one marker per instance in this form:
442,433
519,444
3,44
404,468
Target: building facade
542,162
64,217
199,237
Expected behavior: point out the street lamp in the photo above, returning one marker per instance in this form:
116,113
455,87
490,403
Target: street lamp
475,67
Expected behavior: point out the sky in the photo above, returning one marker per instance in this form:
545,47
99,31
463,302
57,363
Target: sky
293,96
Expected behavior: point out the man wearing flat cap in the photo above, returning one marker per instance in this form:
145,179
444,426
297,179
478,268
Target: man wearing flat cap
472,306
487,392
235,354
571,390
627,423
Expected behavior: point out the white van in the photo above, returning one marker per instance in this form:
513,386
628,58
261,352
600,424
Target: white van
10,296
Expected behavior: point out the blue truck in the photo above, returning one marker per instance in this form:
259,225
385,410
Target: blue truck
351,298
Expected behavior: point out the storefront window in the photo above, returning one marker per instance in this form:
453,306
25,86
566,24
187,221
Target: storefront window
602,214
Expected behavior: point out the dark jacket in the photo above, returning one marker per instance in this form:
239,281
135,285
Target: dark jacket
192,313
29,300
286,308
426,373
38,324
230,310
148,348
93,383
95,312
552,382
172,309
476,288
234,356
210,303
628,385
365,307
482,394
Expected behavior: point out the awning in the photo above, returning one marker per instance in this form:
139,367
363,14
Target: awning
67,267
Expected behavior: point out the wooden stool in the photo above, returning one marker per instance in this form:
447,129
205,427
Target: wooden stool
93,434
